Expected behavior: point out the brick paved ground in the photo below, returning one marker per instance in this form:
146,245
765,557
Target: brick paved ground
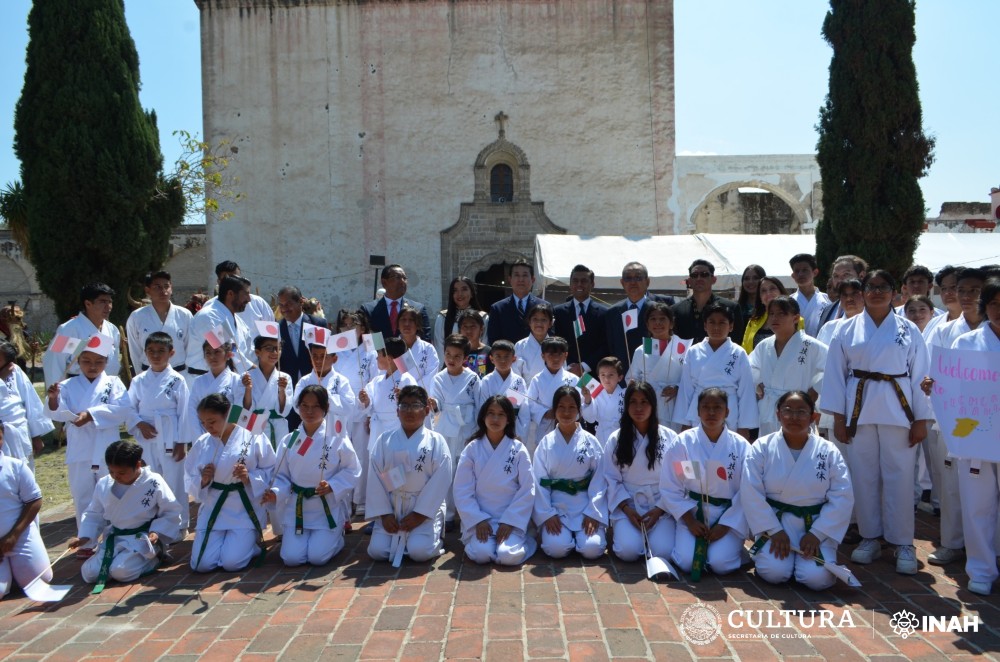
355,609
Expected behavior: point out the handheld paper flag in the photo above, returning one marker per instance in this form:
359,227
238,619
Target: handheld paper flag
342,341
267,329
217,337
368,342
579,328
593,385
254,421
685,469
304,447
314,335
406,363
64,344
630,319
516,397
99,344
651,346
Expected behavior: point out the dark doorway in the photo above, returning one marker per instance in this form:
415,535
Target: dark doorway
491,284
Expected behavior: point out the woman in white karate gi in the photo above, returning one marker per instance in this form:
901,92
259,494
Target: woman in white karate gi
788,360
796,492
663,366
979,481
316,474
700,485
495,489
570,504
227,472
632,461
871,385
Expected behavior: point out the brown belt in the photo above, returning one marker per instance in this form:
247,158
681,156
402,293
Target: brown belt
863,376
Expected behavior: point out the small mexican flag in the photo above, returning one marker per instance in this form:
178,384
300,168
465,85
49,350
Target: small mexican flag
217,337
304,447
588,382
64,344
406,363
686,469
579,328
254,421
651,346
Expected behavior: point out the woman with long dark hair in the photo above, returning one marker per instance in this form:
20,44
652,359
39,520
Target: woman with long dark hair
461,296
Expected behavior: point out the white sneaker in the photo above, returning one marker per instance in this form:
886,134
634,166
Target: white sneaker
906,559
944,556
980,588
867,551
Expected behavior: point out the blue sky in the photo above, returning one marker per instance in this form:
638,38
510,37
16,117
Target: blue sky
750,78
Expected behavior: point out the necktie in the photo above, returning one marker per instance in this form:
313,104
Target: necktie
580,310
293,335
393,316
520,307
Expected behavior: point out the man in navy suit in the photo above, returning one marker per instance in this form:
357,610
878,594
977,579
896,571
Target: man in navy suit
507,316
635,282
294,353
593,344
382,313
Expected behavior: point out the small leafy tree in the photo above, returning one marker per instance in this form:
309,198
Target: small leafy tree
13,210
201,178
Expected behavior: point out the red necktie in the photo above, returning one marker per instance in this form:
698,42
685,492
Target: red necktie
393,316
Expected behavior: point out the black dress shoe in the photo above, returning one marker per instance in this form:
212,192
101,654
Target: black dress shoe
449,526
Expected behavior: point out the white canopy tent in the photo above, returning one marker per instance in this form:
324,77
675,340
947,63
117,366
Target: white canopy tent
667,256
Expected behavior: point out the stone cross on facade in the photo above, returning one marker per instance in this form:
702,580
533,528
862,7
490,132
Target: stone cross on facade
501,119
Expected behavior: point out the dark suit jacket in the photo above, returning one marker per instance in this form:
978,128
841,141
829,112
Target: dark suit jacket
296,365
618,344
506,322
378,317
828,313
593,342
688,325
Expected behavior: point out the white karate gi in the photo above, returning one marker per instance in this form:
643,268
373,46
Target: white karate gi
571,459
258,310
809,309
727,368
214,314
818,476
495,384
107,401
496,485
161,399
28,559
149,500
226,383
541,389
980,492
359,367
529,361
881,459
427,362
22,415
422,463
234,539
606,411
382,405
638,486
329,457
343,404
456,418
713,459
264,395
55,364
799,368
144,321
661,370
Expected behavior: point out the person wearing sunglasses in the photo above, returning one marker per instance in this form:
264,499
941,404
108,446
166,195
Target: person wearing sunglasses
688,312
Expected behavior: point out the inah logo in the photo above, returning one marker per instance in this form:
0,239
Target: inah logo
904,623
700,624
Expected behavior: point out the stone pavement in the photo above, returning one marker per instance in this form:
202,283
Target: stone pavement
356,609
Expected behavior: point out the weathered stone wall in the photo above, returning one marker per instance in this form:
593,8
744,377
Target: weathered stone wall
358,124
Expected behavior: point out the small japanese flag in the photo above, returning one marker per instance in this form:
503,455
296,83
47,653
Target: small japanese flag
342,341
64,344
588,382
516,397
717,470
267,329
217,337
100,344
314,335
630,319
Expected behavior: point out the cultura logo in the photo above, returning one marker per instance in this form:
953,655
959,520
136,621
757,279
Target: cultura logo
904,623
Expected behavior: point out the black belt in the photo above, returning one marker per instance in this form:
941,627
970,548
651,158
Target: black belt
196,371
863,376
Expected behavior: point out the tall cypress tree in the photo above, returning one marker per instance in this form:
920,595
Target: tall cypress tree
90,156
872,148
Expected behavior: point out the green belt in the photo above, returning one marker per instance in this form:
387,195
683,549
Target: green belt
567,485
701,544
109,552
302,493
270,417
806,513
226,488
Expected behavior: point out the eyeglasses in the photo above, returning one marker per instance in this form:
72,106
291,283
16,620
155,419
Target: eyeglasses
410,407
699,274
273,349
795,413
878,289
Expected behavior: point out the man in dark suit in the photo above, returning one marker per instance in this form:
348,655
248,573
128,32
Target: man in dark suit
382,313
844,268
294,353
688,322
635,282
593,344
507,316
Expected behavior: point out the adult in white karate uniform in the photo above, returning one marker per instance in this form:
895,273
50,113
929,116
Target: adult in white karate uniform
422,352
544,385
257,309
21,411
495,489
160,315
632,466
978,480
871,385
95,405
790,360
24,556
718,361
227,472
96,301
943,466
796,492
220,379
137,513
409,477
234,294
571,507
502,380
663,366
700,485
158,398
317,471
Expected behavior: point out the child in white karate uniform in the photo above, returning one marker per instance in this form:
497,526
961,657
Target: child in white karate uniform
504,379
135,509
495,489
379,396
221,378
24,556
608,406
529,349
544,385
663,364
